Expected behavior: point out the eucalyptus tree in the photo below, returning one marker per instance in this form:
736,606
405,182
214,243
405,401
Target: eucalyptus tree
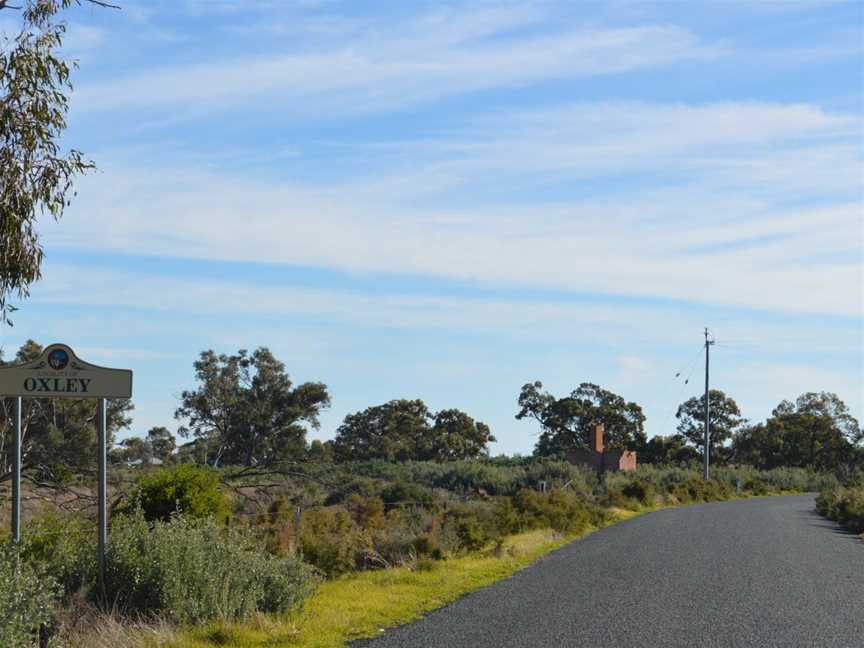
37,175
455,435
403,430
817,430
246,411
162,443
566,422
724,421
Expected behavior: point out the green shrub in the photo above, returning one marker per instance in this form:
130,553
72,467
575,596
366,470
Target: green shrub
427,546
408,532
26,600
613,497
559,475
332,541
844,505
367,512
473,476
63,546
471,531
756,487
640,490
400,492
349,485
193,570
802,480
191,490
694,489
494,476
681,481
471,534
279,510
559,510
509,519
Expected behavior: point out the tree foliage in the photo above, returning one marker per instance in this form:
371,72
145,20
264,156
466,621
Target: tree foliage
162,443
56,431
455,435
566,423
320,451
724,421
403,430
815,431
247,411
396,431
191,490
666,450
159,444
37,176
134,450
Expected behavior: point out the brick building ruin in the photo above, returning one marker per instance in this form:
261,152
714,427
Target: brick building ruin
601,459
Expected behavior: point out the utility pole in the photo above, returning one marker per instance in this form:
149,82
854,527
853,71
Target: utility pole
706,472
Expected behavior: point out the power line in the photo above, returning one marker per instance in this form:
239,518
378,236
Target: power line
688,373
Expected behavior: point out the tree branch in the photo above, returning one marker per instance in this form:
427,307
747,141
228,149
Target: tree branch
100,3
107,5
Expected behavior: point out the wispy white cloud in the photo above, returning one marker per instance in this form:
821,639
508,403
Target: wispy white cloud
744,179
393,70
748,142
167,300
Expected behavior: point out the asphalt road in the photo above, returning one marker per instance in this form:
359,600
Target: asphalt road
758,572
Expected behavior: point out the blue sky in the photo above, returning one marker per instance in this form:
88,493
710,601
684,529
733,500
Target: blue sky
447,200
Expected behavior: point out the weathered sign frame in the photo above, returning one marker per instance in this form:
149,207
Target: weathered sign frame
59,373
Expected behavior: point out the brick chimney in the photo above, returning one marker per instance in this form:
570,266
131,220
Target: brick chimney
597,440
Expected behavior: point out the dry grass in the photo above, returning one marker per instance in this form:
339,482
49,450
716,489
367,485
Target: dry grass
82,625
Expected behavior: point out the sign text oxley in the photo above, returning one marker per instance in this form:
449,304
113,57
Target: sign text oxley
59,373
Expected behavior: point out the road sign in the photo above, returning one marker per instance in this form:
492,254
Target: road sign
59,373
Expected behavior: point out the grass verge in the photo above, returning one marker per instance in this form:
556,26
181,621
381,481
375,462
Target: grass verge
361,605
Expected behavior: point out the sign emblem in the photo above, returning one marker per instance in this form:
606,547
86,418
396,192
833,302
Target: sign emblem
58,359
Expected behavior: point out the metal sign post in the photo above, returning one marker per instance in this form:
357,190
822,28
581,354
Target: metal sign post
16,473
59,373
102,441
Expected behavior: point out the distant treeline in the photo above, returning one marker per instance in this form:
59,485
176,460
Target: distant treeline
246,411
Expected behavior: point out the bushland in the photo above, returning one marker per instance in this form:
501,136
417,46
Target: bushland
844,504
192,544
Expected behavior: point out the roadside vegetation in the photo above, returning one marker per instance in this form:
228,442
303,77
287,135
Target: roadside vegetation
241,532
430,531
844,504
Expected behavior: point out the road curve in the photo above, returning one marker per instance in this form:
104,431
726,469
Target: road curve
757,572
